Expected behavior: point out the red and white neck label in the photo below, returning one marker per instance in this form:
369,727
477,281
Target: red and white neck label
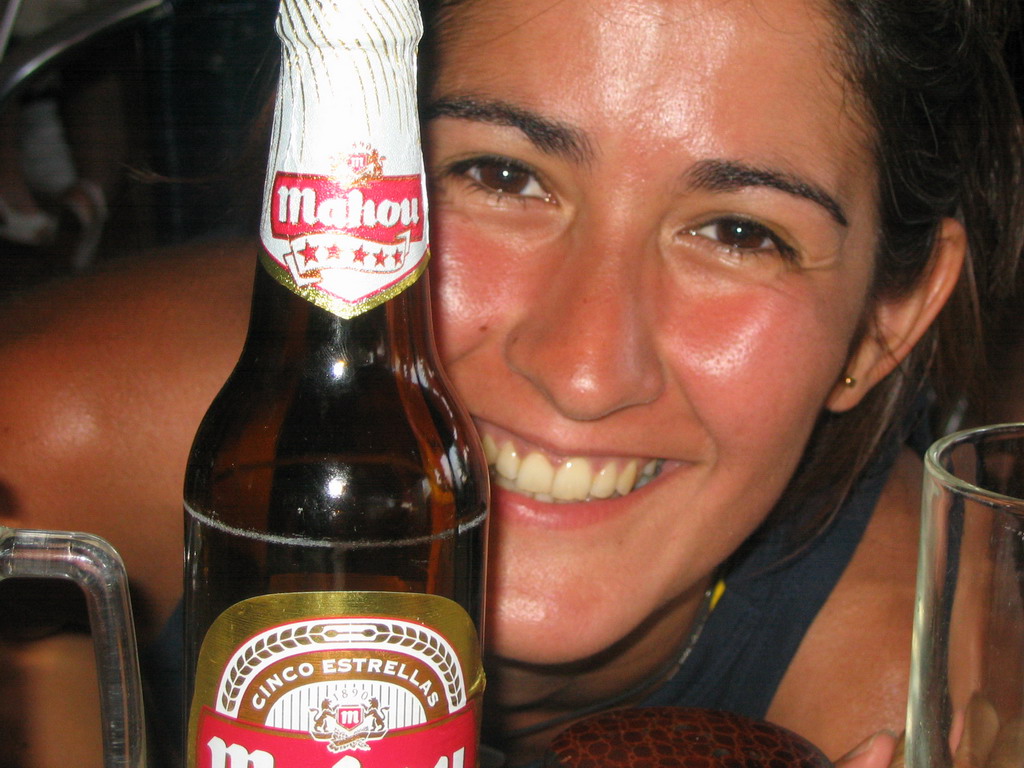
347,244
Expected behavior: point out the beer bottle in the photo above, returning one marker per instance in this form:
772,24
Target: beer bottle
336,495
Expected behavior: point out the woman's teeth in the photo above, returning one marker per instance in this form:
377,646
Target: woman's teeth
572,480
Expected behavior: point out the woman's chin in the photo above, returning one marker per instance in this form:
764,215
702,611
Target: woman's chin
556,578
535,632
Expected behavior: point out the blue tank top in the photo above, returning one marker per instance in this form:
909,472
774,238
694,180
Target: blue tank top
771,597
773,594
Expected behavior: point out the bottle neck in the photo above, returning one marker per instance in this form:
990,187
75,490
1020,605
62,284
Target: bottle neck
287,331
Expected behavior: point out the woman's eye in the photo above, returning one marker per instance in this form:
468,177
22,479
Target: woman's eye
742,235
502,177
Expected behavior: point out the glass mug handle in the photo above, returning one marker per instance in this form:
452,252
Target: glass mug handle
97,568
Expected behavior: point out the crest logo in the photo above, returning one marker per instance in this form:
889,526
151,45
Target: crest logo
347,724
366,165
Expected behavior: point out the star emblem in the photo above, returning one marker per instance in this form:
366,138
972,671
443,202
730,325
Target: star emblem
309,253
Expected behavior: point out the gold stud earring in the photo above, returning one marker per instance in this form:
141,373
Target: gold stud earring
849,382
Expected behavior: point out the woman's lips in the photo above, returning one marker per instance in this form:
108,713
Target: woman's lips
549,478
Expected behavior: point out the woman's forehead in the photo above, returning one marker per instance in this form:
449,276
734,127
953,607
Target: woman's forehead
495,18
723,77
613,43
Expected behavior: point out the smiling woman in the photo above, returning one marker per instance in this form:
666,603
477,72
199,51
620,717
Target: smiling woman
702,273
709,239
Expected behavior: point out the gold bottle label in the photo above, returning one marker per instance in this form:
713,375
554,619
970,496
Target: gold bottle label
338,680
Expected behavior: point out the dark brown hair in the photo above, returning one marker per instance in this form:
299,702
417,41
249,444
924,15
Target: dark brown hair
949,142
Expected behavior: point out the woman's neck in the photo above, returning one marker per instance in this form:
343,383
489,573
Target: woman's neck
526,705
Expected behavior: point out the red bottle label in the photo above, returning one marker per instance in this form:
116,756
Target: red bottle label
396,685
224,743
348,242
381,212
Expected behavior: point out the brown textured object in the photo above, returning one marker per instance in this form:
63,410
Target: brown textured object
678,737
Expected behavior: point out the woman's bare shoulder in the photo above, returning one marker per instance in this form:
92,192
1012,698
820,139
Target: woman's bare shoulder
849,677
175,279
162,321
105,380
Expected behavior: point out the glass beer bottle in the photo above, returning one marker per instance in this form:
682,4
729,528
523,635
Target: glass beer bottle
336,495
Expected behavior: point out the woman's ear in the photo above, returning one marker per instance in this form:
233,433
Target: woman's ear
897,324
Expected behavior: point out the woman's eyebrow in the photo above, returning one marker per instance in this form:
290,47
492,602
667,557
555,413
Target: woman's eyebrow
731,175
558,138
550,136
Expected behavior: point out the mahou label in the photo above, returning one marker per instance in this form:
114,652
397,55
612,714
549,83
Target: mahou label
338,680
347,244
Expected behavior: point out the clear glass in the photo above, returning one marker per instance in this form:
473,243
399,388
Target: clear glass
966,702
97,568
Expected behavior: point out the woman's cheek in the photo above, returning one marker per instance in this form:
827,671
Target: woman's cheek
488,270
735,348
467,285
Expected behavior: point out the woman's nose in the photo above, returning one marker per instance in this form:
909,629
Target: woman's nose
586,341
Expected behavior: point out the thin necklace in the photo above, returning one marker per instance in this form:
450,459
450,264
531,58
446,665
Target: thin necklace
663,672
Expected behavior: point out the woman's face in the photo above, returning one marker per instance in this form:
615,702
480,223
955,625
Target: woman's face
654,227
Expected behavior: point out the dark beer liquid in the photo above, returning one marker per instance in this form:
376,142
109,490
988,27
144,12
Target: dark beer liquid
334,458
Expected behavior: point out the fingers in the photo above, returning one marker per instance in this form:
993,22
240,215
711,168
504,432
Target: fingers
1008,750
980,729
986,742
883,750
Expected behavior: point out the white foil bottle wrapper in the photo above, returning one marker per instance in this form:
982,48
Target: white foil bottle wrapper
344,220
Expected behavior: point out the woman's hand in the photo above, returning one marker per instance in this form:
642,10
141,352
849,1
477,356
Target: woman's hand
985,740
982,741
883,750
